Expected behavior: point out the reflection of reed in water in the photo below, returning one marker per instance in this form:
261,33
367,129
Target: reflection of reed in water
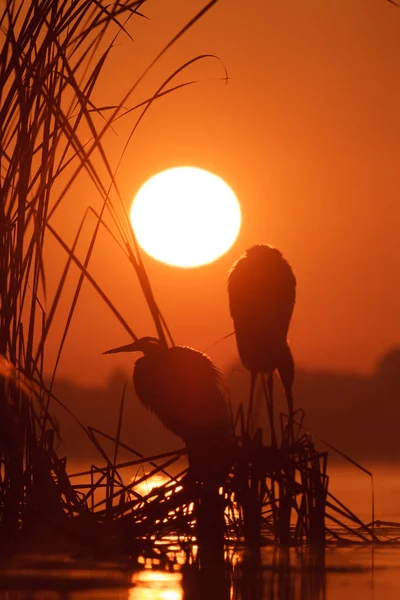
280,574
269,574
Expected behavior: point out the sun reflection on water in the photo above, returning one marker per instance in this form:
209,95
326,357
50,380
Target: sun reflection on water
156,585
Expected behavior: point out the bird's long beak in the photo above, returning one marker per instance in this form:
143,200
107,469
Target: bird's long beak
128,348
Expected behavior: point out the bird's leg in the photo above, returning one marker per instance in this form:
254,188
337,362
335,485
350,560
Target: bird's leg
286,373
239,419
290,426
289,398
250,409
270,384
210,522
269,398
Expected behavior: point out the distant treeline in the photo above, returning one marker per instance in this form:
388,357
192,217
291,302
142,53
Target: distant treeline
360,414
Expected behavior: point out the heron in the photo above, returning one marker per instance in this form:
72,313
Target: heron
262,293
183,388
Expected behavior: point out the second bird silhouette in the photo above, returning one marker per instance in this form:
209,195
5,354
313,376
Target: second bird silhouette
262,293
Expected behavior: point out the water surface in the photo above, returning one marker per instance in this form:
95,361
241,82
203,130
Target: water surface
367,572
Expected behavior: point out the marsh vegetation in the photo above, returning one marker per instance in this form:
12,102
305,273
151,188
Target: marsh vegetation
277,489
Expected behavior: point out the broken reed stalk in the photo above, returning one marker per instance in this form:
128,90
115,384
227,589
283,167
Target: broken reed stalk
290,483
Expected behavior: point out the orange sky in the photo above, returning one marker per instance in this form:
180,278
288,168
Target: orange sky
306,132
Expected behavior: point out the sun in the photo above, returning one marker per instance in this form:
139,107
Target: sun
185,216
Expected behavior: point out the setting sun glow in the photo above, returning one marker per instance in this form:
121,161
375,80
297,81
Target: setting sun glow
185,216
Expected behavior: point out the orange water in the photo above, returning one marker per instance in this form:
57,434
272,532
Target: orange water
348,573
342,573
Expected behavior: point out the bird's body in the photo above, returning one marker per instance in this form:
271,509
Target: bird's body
183,388
262,293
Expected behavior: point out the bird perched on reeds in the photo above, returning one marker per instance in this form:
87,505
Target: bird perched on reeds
262,293
183,388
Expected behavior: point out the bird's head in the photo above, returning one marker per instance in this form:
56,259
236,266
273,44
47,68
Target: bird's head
150,346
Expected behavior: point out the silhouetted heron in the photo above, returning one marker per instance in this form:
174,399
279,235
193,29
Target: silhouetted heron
262,292
183,388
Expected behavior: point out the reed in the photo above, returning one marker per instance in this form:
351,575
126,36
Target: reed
51,131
